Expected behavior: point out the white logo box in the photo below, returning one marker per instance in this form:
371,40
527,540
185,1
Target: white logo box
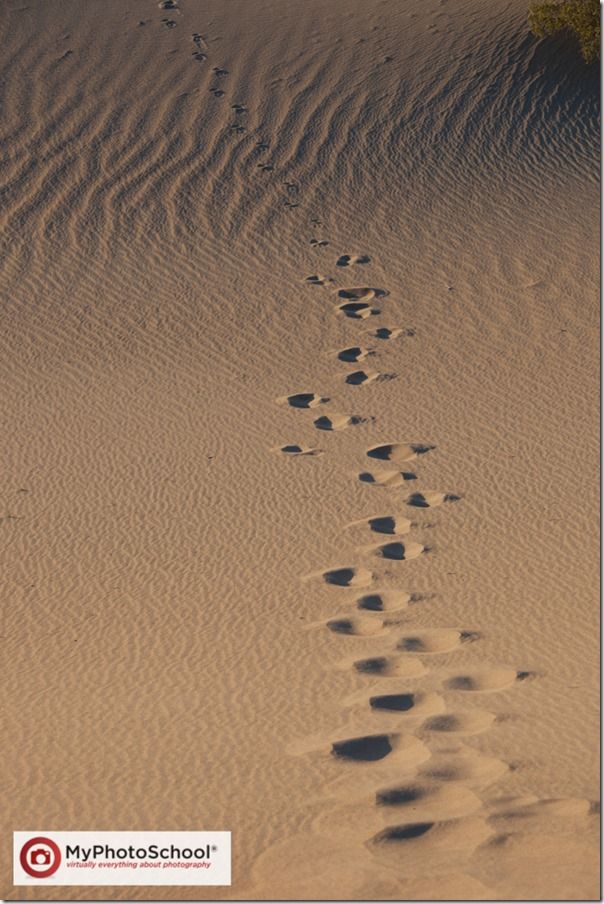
114,858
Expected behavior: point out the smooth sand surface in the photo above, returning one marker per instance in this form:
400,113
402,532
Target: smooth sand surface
211,216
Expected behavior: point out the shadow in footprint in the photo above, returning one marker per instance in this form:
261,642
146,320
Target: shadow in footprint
399,451
347,577
354,353
439,640
354,627
387,524
373,666
358,310
387,478
366,749
305,400
386,333
362,377
393,702
386,601
470,723
338,422
341,626
486,680
400,551
295,449
389,667
430,500
404,832
346,260
392,797
362,293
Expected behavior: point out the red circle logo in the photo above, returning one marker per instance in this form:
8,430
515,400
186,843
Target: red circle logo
40,857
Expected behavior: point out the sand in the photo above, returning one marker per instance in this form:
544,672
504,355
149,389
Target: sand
223,225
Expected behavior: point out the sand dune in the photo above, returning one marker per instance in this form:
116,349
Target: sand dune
226,228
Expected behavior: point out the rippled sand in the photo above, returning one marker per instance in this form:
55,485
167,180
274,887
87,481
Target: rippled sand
215,217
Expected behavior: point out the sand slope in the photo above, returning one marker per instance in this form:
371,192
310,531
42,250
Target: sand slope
212,216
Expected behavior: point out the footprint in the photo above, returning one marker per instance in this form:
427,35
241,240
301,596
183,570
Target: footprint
470,723
217,92
319,243
200,55
434,844
346,260
386,478
365,749
348,577
399,452
303,400
362,293
238,129
169,23
168,4
432,800
335,422
437,640
401,552
485,680
219,72
385,601
374,747
239,109
415,703
265,167
464,765
430,499
390,667
318,280
386,333
363,377
294,449
358,310
390,524
404,832
546,809
354,353
385,524
358,627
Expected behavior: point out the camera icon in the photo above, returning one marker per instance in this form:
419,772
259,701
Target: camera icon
40,857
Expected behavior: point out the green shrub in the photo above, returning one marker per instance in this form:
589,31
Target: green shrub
579,16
